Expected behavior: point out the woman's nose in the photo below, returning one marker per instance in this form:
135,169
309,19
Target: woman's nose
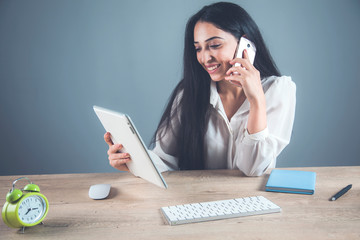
205,56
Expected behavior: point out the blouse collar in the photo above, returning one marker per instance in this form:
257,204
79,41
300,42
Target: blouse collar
215,100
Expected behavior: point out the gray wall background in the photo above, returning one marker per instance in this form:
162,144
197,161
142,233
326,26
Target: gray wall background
58,58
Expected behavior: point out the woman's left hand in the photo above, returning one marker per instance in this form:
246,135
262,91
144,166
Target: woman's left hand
247,76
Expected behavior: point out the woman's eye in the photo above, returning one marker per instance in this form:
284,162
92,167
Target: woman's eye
215,45
212,46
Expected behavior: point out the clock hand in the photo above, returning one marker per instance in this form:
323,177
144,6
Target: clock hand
28,211
34,208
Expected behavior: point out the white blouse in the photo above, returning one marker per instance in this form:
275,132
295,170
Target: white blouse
228,143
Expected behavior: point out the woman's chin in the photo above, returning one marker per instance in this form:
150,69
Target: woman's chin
217,78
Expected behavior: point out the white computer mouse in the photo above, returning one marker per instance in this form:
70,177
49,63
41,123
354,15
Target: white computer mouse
99,191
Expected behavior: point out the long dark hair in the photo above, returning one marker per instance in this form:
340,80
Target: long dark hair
194,104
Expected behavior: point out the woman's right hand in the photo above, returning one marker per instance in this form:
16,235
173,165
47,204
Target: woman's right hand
116,159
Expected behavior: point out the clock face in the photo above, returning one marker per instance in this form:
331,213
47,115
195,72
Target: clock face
32,209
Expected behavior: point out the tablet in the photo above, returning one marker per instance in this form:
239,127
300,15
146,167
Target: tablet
123,132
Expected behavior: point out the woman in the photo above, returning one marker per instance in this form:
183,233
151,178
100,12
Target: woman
210,123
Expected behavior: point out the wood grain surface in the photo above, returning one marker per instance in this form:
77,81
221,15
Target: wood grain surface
132,210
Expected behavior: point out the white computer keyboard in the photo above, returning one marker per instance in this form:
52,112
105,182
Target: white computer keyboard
208,211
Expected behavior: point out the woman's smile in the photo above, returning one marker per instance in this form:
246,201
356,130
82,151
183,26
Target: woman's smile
212,68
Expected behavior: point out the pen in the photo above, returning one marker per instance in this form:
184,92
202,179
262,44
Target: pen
341,192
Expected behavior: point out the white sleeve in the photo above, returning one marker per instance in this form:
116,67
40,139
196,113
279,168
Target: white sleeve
165,145
254,153
166,151
159,163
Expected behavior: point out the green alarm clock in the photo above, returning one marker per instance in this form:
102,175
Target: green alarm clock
24,208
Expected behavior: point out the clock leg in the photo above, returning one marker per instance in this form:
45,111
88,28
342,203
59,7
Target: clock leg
22,230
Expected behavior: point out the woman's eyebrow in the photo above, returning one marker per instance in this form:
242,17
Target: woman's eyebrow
212,38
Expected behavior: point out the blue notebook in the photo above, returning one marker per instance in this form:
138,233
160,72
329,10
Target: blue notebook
291,181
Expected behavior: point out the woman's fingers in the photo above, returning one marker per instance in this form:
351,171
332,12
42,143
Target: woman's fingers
119,160
114,148
119,156
245,54
107,138
236,75
246,60
116,158
120,164
235,71
241,63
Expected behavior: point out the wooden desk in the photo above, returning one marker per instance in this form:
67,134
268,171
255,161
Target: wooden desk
132,210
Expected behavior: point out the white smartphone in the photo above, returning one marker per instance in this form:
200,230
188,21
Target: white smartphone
244,43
